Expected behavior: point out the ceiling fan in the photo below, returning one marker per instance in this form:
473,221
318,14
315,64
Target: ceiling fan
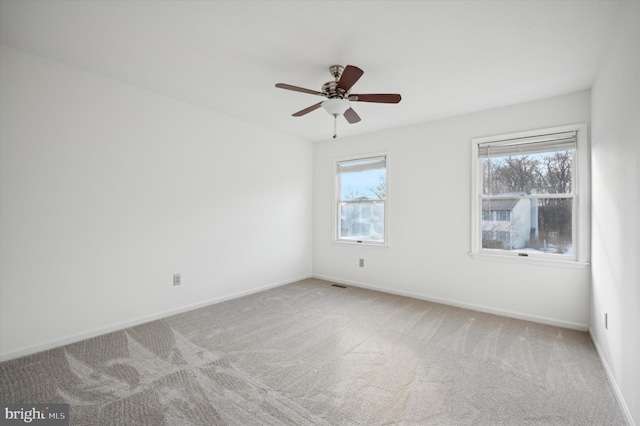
339,96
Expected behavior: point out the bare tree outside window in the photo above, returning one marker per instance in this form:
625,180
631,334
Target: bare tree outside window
379,191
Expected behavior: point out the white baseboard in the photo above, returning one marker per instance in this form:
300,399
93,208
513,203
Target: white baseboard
612,381
137,321
479,308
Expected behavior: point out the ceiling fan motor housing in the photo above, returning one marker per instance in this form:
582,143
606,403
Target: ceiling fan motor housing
330,90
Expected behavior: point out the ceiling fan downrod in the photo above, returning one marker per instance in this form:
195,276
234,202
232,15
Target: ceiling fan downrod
336,71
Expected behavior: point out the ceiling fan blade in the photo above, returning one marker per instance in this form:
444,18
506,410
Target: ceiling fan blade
307,110
351,116
298,89
383,98
349,77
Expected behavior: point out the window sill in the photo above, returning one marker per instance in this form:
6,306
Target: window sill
354,243
571,264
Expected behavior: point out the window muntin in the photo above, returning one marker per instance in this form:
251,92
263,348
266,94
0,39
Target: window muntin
361,199
526,199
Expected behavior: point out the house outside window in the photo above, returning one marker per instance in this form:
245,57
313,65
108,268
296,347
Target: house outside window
361,199
530,195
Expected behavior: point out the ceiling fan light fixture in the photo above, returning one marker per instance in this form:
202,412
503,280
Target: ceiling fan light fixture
336,106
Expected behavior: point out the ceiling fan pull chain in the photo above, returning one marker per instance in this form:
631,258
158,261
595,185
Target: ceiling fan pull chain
335,126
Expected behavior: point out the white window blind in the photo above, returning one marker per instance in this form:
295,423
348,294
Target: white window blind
564,141
362,165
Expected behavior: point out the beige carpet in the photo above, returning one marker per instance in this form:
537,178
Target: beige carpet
310,353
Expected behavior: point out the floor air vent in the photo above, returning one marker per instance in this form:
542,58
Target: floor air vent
338,285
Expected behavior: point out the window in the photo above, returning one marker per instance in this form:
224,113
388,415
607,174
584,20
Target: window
530,195
495,214
361,199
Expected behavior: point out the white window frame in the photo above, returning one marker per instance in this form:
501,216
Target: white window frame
581,201
336,201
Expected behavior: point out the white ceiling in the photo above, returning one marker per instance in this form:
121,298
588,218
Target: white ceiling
445,57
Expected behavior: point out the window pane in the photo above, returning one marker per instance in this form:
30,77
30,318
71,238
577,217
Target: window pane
362,221
528,225
365,185
545,173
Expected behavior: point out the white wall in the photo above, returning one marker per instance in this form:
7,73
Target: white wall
429,191
108,190
616,210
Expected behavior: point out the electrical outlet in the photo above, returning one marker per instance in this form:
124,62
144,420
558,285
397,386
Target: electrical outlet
177,280
362,263
606,321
